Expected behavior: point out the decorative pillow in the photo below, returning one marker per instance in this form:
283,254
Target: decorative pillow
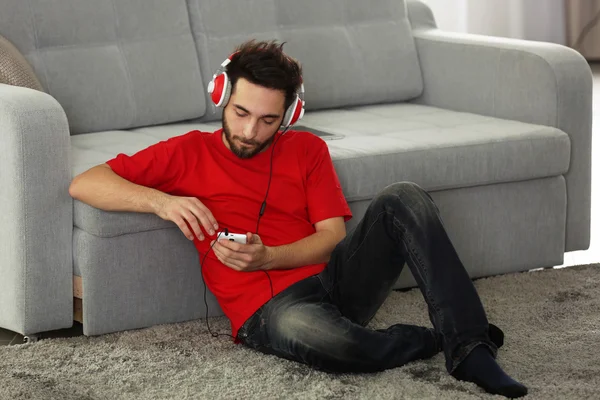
14,68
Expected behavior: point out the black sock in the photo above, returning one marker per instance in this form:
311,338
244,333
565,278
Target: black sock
480,368
496,335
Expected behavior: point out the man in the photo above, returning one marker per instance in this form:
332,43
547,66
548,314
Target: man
302,289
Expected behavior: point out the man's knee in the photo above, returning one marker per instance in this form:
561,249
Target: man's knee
313,335
306,325
404,188
401,196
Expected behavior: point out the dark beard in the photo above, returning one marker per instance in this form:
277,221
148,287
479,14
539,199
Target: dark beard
244,152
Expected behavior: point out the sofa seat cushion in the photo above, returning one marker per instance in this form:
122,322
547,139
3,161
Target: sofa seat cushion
436,148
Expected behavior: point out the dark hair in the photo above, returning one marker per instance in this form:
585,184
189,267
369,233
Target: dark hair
264,63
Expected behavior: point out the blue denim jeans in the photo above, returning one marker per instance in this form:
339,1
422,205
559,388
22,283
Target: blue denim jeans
321,320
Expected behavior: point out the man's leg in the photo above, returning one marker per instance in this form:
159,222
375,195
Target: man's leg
403,224
300,324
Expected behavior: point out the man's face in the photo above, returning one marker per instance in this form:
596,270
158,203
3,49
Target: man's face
251,118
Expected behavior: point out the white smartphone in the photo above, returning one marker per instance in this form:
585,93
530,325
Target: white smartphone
234,237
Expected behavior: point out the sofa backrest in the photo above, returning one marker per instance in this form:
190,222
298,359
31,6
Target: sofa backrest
111,64
353,52
119,64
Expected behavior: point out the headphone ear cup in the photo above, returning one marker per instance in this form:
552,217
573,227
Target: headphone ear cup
226,93
293,113
288,116
220,89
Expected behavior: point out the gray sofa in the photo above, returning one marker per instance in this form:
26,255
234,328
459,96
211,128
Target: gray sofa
497,130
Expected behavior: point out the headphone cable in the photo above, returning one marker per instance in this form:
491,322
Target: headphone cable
264,203
261,212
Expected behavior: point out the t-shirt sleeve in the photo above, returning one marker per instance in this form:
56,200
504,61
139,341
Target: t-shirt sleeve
325,197
158,166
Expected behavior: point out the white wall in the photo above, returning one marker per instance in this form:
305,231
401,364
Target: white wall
542,20
450,15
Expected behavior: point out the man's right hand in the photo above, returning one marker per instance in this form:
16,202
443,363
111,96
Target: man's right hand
187,209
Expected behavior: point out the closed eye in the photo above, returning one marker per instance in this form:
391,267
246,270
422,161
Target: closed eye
268,119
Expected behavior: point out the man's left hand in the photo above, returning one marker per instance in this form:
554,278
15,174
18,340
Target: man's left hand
252,256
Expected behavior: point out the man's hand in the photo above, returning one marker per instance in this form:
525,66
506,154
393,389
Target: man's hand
252,256
187,209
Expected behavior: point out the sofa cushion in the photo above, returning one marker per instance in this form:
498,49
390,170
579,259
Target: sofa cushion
438,149
111,64
352,53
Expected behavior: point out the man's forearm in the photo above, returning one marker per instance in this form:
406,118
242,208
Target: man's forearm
313,249
100,187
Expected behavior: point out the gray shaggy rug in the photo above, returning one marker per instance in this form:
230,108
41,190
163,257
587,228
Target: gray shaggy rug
551,319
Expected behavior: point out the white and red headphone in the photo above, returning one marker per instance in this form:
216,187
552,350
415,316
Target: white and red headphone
219,89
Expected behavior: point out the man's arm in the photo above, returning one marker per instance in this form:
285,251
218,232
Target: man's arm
313,249
102,188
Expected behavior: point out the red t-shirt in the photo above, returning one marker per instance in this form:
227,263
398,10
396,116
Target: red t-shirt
304,190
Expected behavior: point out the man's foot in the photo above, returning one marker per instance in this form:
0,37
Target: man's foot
480,368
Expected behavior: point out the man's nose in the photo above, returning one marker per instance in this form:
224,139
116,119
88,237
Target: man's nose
250,130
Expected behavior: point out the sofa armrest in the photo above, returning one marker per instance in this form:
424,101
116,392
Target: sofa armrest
533,82
36,213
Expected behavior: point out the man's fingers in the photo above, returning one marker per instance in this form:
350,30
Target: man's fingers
180,222
222,252
198,217
209,221
228,261
235,257
237,247
222,247
233,265
191,216
204,220
228,244
191,219
217,249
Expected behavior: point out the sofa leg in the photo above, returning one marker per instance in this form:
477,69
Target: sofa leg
77,310
77,299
